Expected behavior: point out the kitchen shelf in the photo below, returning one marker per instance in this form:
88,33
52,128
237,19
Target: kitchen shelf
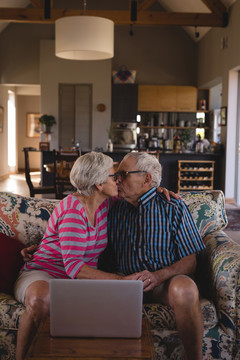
170,127
195,175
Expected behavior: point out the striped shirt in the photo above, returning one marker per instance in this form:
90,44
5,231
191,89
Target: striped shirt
153,235
70,241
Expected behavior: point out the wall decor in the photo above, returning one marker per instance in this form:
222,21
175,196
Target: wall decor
1,119
223,114
33,125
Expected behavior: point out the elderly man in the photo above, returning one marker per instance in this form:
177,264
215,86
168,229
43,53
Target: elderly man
159,241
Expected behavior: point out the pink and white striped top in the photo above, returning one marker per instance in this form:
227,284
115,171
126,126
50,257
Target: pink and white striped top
70,241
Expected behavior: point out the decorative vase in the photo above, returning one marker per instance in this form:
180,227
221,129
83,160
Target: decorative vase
109,146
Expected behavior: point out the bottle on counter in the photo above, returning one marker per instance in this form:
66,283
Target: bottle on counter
177,144
199,145
109,146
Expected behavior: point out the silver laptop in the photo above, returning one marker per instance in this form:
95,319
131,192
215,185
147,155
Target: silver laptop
96,308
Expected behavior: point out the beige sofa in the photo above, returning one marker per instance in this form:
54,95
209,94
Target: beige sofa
25,219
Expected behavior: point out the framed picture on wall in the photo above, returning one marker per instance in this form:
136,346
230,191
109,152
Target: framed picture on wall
44,145
33,125
1,119
223,114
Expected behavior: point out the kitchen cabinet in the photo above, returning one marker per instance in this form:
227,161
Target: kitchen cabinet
195,175
124,102
186,98
156,98
167,98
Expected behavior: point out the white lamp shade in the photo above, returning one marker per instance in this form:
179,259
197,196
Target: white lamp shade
84,38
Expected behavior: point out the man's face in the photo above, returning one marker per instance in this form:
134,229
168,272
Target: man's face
131,187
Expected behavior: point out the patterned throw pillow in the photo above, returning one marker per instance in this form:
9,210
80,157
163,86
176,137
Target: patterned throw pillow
11,262
207,209
24,218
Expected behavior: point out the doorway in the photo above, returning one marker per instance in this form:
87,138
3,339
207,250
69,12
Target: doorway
75,117
237,189
11,132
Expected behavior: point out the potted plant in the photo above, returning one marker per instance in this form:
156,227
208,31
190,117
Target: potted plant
48,121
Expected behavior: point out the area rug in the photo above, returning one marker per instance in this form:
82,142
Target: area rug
233,219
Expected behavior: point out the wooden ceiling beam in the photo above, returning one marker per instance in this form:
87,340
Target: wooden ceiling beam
32,15
216,7
37,3
145,4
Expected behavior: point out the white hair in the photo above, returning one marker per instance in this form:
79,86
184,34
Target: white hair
148,163
89,170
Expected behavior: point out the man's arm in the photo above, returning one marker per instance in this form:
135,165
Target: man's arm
185,266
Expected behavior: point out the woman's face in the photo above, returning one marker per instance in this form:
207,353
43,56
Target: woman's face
110,187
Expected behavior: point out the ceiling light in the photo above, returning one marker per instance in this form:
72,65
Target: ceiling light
84,38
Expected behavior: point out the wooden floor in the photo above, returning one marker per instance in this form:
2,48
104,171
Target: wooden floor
16,184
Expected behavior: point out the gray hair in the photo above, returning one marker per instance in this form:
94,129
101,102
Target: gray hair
89,170
148,163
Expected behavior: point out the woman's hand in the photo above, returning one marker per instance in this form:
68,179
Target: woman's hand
168,193
27,253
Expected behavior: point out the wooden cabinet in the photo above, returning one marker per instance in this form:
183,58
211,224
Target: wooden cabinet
167,98
147,98
156,98
195,175
186,98
124,102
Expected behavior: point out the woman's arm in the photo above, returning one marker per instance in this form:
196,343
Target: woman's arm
87,272
168,193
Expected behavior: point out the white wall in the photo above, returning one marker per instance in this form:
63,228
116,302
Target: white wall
4,170
215,66
26,104
54,71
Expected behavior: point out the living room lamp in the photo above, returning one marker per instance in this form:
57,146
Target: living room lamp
84,38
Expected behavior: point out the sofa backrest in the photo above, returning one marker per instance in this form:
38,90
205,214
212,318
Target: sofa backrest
207,209
25,218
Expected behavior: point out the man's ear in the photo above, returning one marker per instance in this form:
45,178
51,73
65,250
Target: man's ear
148,179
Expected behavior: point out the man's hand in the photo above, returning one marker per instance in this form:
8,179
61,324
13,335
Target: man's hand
168,193
27,253
150,279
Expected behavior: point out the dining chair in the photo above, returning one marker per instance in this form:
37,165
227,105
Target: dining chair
34,189
63,162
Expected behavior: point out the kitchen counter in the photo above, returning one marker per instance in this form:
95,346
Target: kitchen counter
168,160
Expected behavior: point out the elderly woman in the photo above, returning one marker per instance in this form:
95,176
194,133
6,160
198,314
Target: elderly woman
76,235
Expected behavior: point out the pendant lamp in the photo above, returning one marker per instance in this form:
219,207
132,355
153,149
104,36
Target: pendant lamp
84,38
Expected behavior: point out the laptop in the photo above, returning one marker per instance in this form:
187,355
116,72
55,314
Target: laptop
96,308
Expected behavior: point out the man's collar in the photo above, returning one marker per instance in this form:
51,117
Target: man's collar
149,195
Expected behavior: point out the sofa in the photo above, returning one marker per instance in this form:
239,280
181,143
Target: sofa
23,221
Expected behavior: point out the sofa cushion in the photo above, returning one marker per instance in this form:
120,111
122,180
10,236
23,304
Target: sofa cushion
10,312
11,262
207,209
162,316
24,218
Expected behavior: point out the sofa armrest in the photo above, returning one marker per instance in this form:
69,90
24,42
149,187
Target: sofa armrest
218,275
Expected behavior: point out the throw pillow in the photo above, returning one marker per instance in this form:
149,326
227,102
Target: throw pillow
11,262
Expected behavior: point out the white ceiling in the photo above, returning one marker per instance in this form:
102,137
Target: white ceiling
194,6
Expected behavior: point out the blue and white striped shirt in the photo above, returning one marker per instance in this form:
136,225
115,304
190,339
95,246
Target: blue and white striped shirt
153,235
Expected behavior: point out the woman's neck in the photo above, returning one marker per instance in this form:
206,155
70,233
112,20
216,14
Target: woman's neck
91,204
